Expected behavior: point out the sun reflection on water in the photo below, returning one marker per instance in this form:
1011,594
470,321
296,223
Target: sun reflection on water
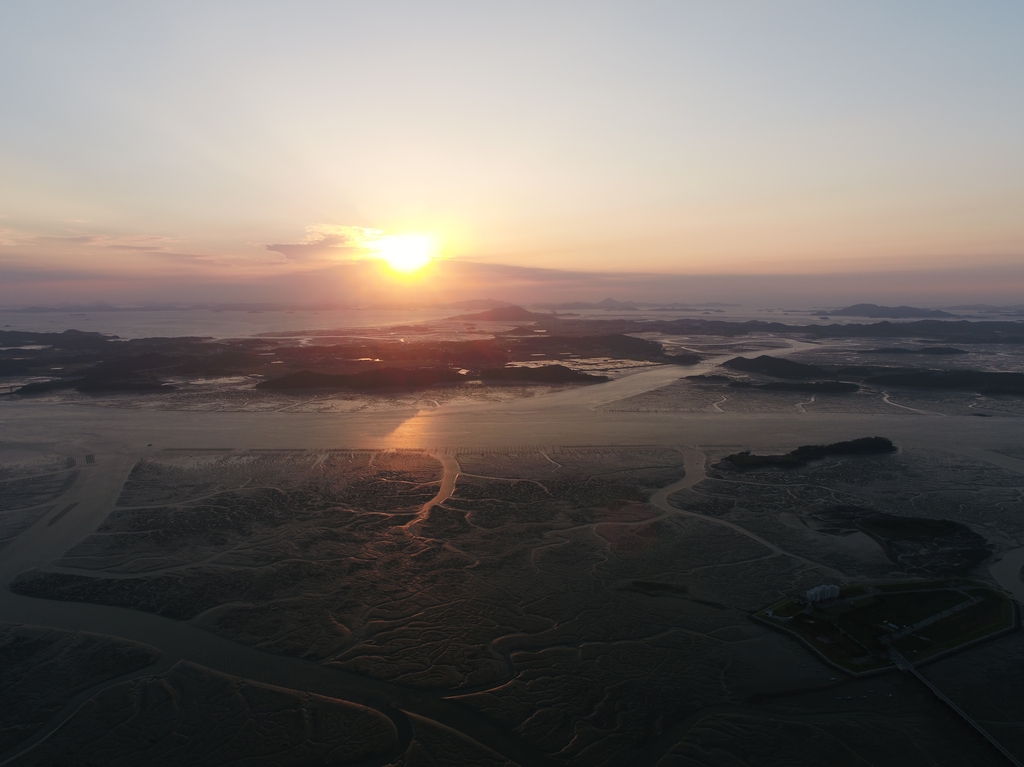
410,433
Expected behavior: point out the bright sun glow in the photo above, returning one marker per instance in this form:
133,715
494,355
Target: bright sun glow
405,252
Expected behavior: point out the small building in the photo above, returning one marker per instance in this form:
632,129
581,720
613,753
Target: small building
822,593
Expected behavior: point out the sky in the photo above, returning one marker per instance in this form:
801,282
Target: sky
674,150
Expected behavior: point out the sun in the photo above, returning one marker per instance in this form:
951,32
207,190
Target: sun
405,253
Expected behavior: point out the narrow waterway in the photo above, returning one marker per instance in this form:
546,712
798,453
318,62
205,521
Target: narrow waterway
1007,573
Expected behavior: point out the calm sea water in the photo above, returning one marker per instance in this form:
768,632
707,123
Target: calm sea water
239,324
223,324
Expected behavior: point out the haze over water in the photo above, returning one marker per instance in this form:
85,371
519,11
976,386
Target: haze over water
672,150
590,384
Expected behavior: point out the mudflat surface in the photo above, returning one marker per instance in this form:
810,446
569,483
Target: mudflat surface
42,669
553,580
194,715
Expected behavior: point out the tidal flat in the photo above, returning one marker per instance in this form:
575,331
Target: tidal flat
563,578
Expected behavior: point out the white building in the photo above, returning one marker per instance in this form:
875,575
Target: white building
823,592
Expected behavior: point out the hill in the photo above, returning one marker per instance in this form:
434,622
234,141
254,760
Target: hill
502,314
875,311
777,367
541,374
800,457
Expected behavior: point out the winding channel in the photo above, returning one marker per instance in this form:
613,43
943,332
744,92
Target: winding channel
97,491
542,420
178,641
1007,572
693,464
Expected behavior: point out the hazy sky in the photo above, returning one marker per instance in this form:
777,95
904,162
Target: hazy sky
150,144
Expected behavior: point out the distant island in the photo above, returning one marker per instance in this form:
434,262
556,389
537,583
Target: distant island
874,311
983,382
777,367
610,304
381,378
502,314
540,374
606,304
814,387
802,455
935,351
89,362
966,380
424,378
157,306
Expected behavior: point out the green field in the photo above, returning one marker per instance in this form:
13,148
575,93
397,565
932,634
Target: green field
856,630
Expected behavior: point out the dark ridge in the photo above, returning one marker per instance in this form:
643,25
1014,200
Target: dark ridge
135,373
95,384
68,340
479,303
932,350
147,362
221,363
502,314
819,387
525,341
618,345
777,367
800,457
91,362
383,378
545,373
970,380
874,311
608,303
947,331
710,378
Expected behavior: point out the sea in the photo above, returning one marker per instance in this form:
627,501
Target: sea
209,323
